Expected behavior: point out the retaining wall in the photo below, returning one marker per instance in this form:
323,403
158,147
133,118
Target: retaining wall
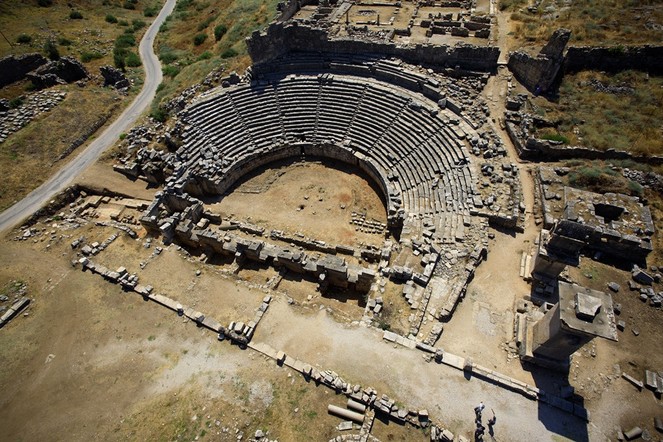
280,38
615,59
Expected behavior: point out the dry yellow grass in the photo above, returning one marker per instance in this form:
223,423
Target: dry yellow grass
610,22
627,119
30,155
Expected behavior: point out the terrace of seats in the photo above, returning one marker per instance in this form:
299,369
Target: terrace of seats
406,137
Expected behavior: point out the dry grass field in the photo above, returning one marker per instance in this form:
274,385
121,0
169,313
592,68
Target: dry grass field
591,23
622,111
30,155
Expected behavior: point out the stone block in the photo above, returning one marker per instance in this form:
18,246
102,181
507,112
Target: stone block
642,277
658,424
632,380
650,379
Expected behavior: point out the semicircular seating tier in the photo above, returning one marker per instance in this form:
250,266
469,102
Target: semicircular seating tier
414,150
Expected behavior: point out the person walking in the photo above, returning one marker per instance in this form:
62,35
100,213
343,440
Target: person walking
479,409
491,424
478,433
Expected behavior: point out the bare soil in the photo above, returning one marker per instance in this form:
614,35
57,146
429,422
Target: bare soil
118,366
307,198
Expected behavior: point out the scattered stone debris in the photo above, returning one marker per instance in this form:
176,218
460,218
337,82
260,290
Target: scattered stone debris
12,120
62,71
115,78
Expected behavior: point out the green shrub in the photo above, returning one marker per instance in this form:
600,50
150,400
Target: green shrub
159,114
163,27
138,24
15,102
205,23
199,39
229,53
150,11
170,71
552,136
123,23
123,136
118,60
205,56
111,18
133,60
181,5
128,5
24,39
635,188
51,50
121,50
89,56
125,41
168,57
64,41
45,3
219,32
75,15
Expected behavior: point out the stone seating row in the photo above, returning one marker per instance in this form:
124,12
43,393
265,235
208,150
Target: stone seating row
400,134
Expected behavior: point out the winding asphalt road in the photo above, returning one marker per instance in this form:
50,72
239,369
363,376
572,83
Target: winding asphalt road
153,76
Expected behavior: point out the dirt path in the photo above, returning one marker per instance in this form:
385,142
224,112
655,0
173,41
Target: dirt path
35,199
359,355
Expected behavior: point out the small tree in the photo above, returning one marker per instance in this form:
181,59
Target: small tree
229,53
118,59
75,15
219,32
110,18
133,60
51,50
15,102
159,114
199,39
24,38
138,24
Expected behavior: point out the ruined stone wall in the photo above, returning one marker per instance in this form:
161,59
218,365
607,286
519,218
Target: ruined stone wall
201,185
531,71
280,39
539,73
544,150
615,59
551,151
290,8
16,67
